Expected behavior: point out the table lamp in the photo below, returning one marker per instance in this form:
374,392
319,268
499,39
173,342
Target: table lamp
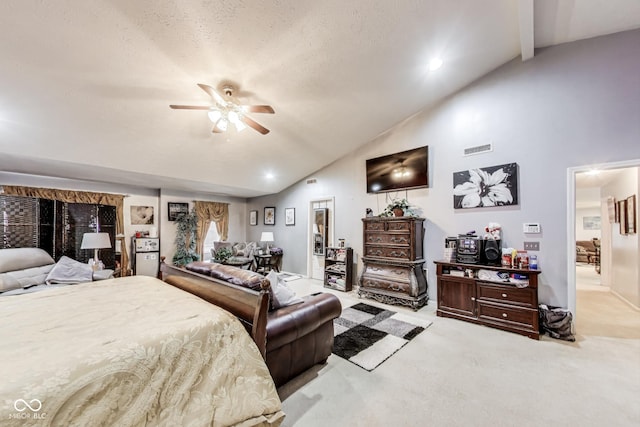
95,241
267,236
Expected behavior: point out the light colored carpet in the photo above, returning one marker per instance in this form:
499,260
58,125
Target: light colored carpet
460,374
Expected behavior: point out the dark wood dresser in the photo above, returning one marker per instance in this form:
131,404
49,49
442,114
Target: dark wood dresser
464,294
393,261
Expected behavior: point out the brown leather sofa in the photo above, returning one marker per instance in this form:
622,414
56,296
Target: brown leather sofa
292,339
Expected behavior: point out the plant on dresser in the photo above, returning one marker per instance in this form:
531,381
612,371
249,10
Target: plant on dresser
393,261
499,297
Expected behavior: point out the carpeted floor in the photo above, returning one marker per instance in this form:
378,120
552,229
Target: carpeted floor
367,335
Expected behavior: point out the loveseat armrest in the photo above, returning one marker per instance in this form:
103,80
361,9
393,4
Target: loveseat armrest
287,324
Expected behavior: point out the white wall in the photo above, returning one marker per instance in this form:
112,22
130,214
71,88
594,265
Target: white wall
573,104
625,249
581,232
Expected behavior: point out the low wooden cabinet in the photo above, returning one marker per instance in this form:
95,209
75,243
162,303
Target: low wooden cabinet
465,293
393,261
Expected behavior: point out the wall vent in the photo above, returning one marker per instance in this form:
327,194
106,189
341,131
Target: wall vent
311,181
478,149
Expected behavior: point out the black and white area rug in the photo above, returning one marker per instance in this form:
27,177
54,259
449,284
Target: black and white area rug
368,335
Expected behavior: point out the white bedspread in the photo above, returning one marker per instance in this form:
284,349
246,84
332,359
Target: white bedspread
131,351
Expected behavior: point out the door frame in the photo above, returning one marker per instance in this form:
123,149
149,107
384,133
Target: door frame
571,222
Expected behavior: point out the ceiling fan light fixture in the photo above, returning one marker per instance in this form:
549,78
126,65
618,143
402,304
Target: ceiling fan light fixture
222,125
214,115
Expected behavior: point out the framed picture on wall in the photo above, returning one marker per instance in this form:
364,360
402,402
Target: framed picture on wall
486,187
141,215
176,209
622,209
290,216
270,216
253,217
632,227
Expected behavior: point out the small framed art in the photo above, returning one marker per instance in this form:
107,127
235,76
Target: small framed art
253,217
270,216
622,208
176,209
290,216
632,226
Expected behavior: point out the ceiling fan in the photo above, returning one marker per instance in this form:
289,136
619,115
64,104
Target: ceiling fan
227,109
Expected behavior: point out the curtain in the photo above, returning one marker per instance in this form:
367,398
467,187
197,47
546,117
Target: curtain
71,196
207,212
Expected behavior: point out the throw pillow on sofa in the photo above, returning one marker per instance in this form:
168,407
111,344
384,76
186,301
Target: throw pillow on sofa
282,294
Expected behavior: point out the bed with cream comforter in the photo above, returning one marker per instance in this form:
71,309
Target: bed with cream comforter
131,351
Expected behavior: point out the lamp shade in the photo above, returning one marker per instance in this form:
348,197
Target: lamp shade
95,241
267,236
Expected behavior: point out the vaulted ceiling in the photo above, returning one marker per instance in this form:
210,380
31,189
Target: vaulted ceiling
85,86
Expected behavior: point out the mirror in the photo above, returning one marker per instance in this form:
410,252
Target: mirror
319,231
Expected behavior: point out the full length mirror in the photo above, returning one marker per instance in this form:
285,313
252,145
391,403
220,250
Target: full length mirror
319,231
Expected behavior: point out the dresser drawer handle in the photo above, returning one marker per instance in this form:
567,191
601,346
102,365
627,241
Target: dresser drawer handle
504,295
504,314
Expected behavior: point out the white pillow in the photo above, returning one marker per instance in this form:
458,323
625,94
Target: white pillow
282,294
8,283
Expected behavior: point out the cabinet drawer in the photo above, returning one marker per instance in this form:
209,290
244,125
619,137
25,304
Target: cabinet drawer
387,226
382,252
515,316
388,238
375,283
374,226
390,272
525,297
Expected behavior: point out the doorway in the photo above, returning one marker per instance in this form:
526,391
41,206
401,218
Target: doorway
591,274
315,256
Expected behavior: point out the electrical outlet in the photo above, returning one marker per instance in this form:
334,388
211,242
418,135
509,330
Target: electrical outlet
531,246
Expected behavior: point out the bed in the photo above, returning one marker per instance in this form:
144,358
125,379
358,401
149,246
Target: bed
130,351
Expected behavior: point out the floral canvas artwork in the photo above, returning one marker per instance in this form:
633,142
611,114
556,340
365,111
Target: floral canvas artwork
485,187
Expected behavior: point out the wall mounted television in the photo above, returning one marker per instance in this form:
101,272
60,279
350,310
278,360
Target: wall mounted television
399,171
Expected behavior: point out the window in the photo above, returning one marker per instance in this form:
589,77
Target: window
57,227
212,236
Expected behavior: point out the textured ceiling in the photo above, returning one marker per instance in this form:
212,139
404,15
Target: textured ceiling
85,87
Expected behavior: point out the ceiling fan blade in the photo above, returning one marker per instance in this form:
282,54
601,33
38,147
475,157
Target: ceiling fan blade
258,109
189,107
257,126
213,94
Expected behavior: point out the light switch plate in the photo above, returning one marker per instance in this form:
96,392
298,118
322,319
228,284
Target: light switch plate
531,246
531,227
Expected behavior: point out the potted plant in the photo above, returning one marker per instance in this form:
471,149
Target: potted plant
398,207
222,255
186,225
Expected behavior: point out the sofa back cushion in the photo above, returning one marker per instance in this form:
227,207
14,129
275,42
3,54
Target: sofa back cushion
234,275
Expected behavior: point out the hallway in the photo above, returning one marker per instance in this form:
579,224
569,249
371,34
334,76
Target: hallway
599,312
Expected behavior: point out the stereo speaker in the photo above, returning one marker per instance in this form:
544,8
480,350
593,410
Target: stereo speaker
492,252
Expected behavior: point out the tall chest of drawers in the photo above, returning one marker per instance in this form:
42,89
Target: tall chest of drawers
393,261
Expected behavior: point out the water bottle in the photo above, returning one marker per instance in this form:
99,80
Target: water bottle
533,262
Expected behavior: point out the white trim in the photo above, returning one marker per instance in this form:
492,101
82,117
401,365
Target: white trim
571,223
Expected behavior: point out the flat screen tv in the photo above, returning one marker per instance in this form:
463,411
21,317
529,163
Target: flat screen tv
399,171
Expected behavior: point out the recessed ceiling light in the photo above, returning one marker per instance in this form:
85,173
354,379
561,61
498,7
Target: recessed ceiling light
434,64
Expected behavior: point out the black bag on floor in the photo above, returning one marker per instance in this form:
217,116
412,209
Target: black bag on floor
556,322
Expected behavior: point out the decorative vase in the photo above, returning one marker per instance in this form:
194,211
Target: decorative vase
398,212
